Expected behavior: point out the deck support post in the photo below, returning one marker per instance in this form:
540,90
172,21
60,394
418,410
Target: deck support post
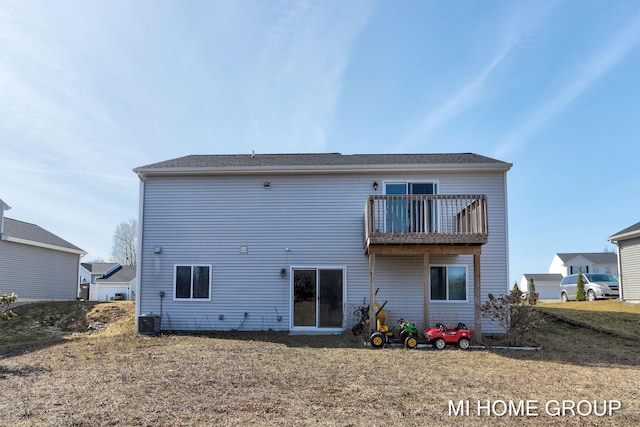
372,292
426,277
477,303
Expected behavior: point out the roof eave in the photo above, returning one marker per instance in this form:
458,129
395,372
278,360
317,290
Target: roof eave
43,245
324,169
624,236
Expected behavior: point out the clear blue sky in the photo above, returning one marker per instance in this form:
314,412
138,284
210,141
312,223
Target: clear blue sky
91,89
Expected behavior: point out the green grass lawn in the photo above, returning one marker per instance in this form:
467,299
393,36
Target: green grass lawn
609,316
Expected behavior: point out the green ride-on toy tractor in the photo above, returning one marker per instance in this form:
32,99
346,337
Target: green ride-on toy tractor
408,335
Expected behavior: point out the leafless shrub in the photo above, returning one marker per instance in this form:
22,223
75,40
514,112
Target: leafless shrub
515,313
6,301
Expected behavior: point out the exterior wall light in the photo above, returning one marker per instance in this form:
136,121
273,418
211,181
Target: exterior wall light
375,185
283,273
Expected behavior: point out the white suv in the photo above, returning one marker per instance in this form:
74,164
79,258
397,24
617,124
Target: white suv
596,286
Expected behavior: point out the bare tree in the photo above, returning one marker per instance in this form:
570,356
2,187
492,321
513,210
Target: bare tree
125,241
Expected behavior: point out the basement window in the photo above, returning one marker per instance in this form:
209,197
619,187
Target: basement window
192,282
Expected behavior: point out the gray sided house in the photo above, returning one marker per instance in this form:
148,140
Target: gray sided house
628,241
35,263
298,241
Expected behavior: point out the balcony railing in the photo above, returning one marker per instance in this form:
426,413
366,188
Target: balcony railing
426,219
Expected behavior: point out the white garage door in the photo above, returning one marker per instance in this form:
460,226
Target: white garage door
548,290
107,293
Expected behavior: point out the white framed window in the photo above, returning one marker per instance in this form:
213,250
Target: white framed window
192,282
448,283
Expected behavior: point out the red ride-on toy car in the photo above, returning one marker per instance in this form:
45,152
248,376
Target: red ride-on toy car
440,336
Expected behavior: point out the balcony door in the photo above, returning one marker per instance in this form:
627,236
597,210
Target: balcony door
318,297
409,216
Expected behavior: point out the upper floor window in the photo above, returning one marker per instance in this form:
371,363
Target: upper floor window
192,282
409,214
449,283
574,269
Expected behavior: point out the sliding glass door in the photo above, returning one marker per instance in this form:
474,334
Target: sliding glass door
318,297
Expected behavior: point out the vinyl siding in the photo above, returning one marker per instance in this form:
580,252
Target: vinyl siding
35,273
206,220
629,251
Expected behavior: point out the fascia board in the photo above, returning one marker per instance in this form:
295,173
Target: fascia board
326,169
625,236
43,245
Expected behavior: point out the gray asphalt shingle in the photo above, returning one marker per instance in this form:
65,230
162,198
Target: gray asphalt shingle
34,233
320,159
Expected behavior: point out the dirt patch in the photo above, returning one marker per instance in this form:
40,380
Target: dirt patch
110,313
45,323
93,318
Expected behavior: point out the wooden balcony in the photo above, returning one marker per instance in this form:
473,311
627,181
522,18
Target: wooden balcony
425,220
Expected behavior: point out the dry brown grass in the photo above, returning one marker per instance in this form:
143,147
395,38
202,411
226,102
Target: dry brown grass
118,377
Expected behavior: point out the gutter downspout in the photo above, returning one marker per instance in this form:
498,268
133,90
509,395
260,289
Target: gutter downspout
621,287
3,207
139,255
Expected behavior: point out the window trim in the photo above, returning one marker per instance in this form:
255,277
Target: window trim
466,283
192,266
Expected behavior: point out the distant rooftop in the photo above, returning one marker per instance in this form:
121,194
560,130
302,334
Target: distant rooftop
594,257
98,267
123,275
543,277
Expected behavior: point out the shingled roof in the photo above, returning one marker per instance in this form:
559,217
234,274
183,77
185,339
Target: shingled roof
25,232
594,257
248,162
123,275
98,267
543,277
628,233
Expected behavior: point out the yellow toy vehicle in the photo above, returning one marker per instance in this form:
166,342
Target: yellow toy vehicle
408,332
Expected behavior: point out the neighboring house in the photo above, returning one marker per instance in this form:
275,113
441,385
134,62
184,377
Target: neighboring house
106,281
90,271
296,241
598,262
547,285
628,242
35,263
564,264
